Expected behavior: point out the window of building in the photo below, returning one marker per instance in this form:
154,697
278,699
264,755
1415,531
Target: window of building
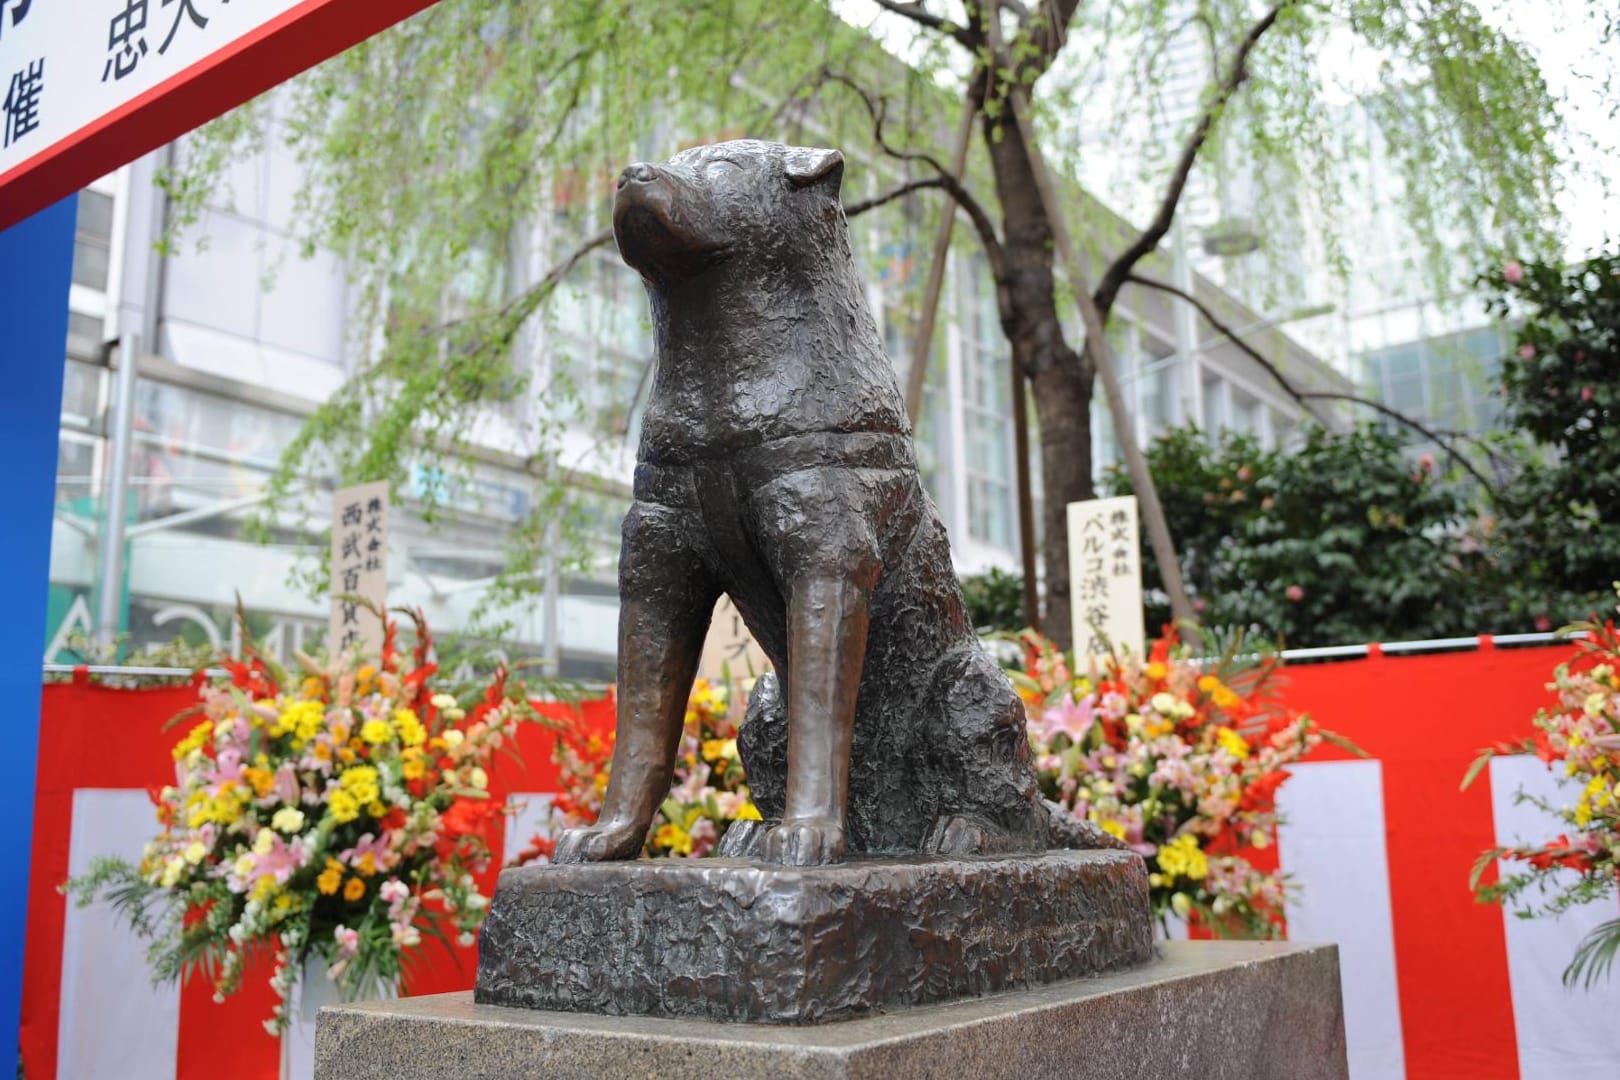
986,430
92,240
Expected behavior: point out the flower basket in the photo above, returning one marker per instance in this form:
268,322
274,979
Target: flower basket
328,820
1577,735
1180,760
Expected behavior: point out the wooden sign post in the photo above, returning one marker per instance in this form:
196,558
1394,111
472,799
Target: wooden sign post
359,570
1105,576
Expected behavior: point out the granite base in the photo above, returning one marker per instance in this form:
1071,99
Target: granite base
1202,1011
735,940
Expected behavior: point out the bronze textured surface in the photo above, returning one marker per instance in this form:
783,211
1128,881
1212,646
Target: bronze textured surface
776,466
731,940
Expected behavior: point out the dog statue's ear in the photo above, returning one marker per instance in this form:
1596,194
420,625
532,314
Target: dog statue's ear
806,166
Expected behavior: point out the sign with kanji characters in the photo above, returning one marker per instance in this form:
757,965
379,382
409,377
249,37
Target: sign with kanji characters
730,647
87,85
1105,576
359,569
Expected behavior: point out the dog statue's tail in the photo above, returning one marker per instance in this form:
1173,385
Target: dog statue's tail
1068,831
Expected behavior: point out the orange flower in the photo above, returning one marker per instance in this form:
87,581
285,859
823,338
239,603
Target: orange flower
354,889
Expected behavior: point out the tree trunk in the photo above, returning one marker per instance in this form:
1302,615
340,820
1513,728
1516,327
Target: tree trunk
1060,381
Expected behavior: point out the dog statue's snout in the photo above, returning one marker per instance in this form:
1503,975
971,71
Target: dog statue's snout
640,171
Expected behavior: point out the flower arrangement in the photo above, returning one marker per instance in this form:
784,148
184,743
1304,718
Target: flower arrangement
709,793
1181,762
338,815
1578,737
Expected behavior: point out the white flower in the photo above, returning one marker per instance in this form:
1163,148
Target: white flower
479,778
263,842
466,938
172,871
443,701
453,738
289,819
196,852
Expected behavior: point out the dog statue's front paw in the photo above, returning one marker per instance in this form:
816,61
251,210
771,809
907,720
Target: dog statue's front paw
805,842
604,841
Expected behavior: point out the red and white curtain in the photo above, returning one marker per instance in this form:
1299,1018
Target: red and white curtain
1435,984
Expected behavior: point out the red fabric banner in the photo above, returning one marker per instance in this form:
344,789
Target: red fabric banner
1421,718
95,737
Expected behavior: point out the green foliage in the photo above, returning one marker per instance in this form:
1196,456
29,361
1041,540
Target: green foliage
1560,521
995,600
1345,539
455,159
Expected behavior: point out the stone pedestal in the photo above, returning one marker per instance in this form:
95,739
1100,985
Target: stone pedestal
734,940
1202,1011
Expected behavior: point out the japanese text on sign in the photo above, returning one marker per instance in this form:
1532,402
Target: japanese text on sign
359,569
63,65
1105,576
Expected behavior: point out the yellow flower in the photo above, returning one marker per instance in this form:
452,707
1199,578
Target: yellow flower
376,732
360,782
194,740
1082,687
1225,697
345,807
264,842
1208,683
300,719
196,852
411,731
1181,857
1113,828
412,766
265,888
673,837
354,889
331,877
1157,670
366,865
748,812
312,687
1232,742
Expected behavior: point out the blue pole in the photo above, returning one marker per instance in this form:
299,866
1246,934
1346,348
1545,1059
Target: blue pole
36,264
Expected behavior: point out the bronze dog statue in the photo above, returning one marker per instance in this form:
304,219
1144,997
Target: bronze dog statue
776,466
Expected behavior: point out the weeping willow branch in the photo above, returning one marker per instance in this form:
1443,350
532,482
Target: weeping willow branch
1303,398
1237,73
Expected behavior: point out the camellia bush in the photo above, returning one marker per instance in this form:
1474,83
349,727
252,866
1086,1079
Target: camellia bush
337,814
1181,761
1560,517
1578,736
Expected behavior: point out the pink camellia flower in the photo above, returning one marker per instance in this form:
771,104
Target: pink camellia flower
1295,593
1426,462
1586,393
1543,624
1527,351
348,941
1513,272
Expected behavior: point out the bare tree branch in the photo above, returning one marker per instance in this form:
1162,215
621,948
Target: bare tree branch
1431,434
1303,398
877,109
855,209
919,14
1222,328
1236,74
